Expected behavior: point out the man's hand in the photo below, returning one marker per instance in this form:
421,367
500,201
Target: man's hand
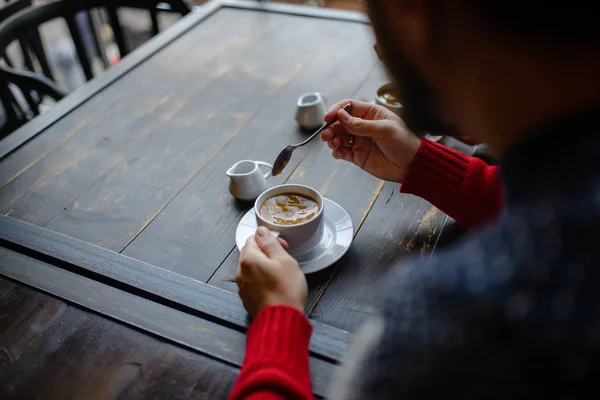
268,276
382,146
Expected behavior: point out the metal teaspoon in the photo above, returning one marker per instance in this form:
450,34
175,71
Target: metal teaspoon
286,154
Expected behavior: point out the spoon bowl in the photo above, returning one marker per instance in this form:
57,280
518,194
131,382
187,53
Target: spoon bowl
282,160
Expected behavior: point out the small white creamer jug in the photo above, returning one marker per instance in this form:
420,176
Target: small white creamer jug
247,181
310,110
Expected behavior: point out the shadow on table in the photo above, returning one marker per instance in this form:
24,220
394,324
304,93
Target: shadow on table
418,246
243,206
316,279
451,233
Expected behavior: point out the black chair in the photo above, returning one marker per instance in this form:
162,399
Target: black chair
23,26
35,43
10,8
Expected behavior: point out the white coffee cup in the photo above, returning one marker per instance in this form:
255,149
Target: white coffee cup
301,237
311,110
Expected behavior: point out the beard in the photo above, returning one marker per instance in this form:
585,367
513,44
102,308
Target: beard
416,95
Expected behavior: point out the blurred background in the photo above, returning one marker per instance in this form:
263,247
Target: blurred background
56,60
136,24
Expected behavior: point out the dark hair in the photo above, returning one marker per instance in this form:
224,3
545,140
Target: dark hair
573,20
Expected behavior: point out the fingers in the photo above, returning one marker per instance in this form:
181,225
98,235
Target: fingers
335,143
283,244
252,254
364,119
342,141
359,108
333,130
364,127
269,244
344,154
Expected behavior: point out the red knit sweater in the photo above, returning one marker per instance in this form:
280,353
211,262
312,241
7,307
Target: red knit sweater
276,362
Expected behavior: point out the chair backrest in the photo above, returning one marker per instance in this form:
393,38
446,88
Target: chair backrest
12,7
7,10
22,26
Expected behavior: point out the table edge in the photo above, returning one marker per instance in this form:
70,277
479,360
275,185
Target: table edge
298,10
150,282
157,320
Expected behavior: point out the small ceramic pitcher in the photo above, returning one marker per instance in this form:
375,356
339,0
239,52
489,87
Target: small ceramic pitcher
247,181
311,110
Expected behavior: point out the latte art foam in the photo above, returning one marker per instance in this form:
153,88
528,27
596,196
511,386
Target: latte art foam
288,209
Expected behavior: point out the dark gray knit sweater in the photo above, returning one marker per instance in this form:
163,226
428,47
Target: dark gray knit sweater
513,310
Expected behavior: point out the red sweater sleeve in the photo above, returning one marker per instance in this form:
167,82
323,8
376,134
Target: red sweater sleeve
465,188
276,363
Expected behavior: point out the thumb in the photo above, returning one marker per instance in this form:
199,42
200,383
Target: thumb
362,127
269,244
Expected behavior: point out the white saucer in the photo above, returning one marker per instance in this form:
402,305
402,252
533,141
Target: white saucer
336,241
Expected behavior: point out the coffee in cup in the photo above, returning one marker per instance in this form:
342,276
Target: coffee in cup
289,208
295,212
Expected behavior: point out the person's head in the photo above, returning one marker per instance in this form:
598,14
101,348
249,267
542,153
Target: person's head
466,63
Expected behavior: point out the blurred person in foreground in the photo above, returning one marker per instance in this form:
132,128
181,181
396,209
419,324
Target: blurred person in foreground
513,309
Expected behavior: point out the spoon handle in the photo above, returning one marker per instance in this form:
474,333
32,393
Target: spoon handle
326,125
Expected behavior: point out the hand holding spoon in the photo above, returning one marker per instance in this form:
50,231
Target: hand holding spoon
286,154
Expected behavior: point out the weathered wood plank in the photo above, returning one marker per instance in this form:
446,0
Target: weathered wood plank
195,233
25,315
125,200
124,133
37,125
33,151
144,280
192,332
77,354
399,227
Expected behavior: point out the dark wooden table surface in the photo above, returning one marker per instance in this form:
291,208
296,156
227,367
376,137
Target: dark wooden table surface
118,229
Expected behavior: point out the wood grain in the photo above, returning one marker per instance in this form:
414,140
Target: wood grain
32,151
398,228
196,231
135,277
168,323
76,354
25,315
36,126
125,200
154,92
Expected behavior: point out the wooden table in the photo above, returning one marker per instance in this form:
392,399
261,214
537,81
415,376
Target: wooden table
118,229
